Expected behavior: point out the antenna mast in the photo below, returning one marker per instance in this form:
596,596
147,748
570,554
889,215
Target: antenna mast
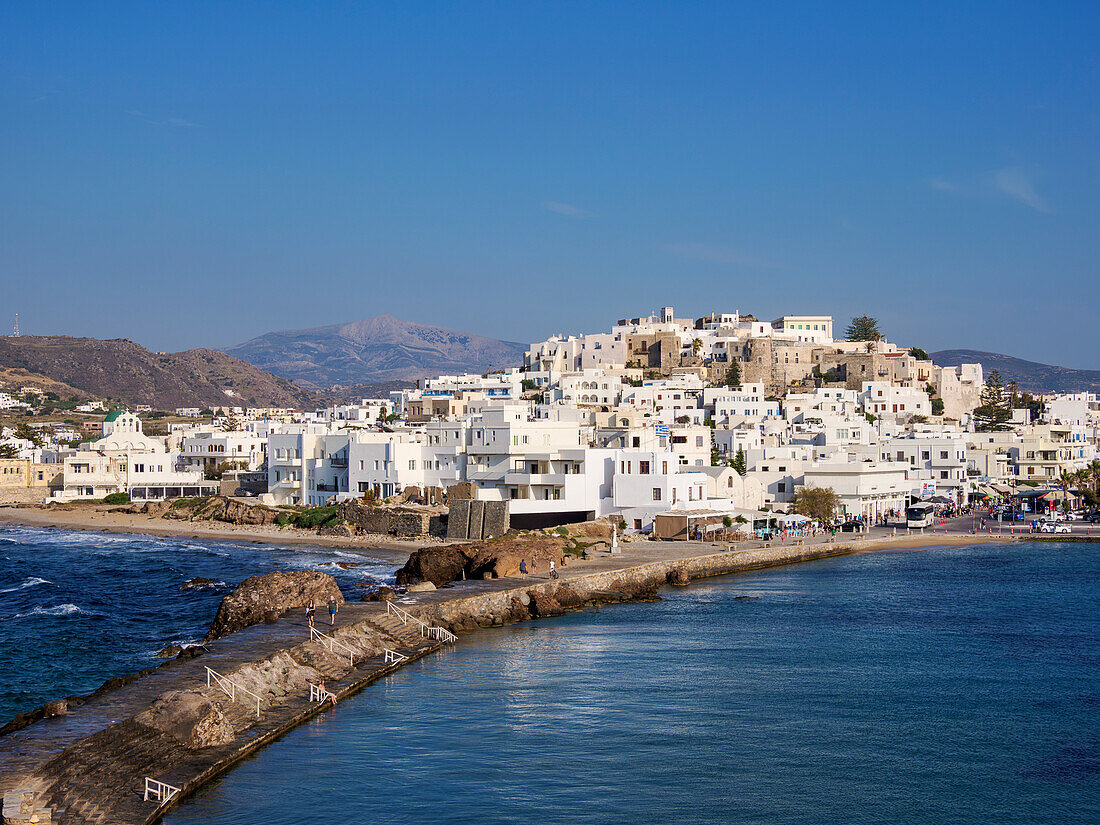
16,333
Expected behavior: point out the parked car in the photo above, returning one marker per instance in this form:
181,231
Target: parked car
1053,527
1093,518
851,527
243,493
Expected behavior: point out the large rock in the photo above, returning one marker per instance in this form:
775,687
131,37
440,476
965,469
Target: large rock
274,592
190,718
438,565
481,560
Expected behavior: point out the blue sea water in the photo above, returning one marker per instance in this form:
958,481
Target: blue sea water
77,608
956,685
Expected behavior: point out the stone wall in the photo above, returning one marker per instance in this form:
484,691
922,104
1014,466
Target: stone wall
477,520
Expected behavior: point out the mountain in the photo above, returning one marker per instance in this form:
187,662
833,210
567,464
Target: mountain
1030,375
375,350
123,371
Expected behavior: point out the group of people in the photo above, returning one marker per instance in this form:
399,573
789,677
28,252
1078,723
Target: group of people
311,611
523,569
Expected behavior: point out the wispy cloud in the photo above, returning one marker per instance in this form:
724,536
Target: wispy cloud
171,121
568,210
1015,183
718,254
945,185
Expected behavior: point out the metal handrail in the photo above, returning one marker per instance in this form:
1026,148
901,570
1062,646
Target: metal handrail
161,791
441,634
393,657
231,691
330,643
403,615
318,695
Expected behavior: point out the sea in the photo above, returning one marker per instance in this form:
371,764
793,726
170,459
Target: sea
77,608
948,685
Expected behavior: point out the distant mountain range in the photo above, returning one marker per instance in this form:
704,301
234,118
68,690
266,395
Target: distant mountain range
375,350
126,372
1029,375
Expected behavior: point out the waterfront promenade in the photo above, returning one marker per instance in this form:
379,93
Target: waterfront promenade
91,746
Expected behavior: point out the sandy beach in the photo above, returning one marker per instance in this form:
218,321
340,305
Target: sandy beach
105,519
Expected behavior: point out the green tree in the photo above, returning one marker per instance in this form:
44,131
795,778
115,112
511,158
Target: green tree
937,406
994,413
739,464
28,433
696,345
919,354
733,375
817,503
863,328
8,450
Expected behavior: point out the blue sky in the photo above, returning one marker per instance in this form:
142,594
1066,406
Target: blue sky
194,174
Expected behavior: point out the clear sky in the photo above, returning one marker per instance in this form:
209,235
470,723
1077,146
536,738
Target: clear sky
195,174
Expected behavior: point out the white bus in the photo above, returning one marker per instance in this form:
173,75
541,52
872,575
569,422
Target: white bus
921,514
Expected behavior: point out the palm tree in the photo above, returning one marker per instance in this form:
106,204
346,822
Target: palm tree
696,345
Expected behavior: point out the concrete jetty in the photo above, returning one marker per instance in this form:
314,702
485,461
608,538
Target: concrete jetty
89,765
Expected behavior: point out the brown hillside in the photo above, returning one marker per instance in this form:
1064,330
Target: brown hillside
123,371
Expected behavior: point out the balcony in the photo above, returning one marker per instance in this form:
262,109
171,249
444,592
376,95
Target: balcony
548,479
340,462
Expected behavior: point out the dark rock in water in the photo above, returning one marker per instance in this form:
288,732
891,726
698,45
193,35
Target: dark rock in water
746,598
58,707
199,583
168,651
344,565
543,604
276,593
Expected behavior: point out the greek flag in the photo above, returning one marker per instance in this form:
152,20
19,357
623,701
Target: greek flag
660,431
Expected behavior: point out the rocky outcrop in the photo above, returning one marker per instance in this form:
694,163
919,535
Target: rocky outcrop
274,592
481,560
190,718
220,508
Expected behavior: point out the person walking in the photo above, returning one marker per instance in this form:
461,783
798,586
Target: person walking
553,572
332,608
523,568
311,609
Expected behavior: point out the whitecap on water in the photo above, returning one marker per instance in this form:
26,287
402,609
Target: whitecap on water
29,582
67,609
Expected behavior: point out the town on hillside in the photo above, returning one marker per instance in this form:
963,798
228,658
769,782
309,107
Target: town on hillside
722,420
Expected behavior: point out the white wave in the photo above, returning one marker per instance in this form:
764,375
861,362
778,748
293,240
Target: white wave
67,609
31,582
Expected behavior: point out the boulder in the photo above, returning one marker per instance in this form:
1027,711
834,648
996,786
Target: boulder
190,718
56,707
275,593
422,587
168,651
438,565
678,576
382,594
543,604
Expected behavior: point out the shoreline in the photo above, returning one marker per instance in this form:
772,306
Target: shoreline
635,575
114,521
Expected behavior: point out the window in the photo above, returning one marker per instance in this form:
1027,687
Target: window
656,493
664,467
943,454
781,487
643,467
637,524
698,441
412,464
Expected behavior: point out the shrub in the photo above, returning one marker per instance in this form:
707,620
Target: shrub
117,498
